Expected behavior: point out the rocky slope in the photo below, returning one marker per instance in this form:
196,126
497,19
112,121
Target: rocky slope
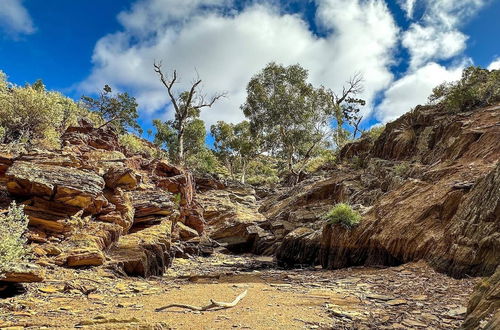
427,189
89,204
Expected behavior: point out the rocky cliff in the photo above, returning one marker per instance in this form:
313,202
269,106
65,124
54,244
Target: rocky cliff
89,204
427,188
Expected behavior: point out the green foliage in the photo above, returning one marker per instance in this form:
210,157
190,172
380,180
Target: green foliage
293,119
187,106
324,158
13,248
54,113
235,146
177,199
135,145
194,138
287,113
204,161
374,132
343,214
477,87
402,169
119,111
262,170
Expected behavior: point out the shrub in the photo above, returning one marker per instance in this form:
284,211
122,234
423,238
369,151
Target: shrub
204,161
13,249
343,214
54,113
135,145
477,87
374,132
401,169
325,157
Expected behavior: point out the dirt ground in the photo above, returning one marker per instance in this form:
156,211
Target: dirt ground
409,296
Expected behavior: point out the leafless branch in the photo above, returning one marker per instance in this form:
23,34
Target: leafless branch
169,84
354,86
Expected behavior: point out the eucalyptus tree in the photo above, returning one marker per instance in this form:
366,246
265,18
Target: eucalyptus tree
187,105
118,111
293,118
235,146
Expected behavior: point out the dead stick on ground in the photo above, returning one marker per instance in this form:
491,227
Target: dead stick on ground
214,305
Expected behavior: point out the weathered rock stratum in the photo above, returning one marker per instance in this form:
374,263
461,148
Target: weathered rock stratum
89,205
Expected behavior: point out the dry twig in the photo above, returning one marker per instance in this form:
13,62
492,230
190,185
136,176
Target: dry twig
214,305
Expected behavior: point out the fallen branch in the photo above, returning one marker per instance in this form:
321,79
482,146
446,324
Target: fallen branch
214,305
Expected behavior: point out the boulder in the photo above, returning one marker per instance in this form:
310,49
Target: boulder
144,253
153,203
65,185
185,233
483,310
300,247
85,257
121,177
233,218
26,274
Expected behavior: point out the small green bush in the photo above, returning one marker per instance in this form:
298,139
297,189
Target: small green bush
135,145
13,249
324,158
374,132
478,87
343,214
401,169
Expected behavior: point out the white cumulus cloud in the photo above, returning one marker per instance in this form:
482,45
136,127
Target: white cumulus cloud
226,48
495,65
14,18
436,35
414,88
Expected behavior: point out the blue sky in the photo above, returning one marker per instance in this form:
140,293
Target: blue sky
403,48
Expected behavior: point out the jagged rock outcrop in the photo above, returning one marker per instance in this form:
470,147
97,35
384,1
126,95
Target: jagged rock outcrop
96,204
428,189
483,311
146,252
300,248
232,217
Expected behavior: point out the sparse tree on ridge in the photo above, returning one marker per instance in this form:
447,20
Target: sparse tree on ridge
119,111
347,108
187,106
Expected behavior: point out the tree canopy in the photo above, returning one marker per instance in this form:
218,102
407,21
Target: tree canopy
292,117
235,146
119,111
187,106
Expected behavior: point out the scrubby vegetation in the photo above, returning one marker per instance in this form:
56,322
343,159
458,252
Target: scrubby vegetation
118,111
343,214
13,249
477,87
374,132
135,145
292,129
34,116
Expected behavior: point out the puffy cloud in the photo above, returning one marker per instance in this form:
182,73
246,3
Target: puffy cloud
495,65
414,88
14,18
227,47
435,36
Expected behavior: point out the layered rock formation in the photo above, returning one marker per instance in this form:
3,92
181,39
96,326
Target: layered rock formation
232,216
427,189
98,206
483,311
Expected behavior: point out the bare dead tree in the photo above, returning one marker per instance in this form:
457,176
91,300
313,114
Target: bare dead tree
186,104
347,105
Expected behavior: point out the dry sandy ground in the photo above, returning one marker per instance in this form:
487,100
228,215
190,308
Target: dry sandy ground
409,296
